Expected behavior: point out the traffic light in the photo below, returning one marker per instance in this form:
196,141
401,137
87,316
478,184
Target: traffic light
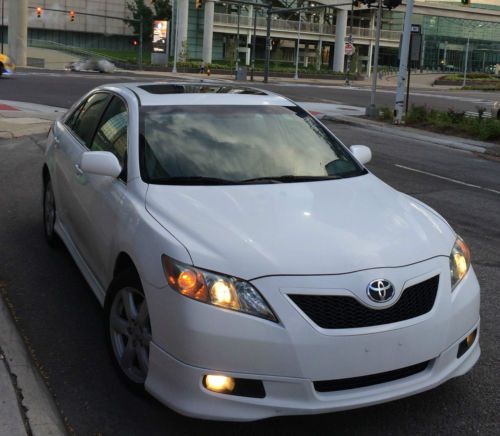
134,42
391,4
39,11
466,2
198,4
71,15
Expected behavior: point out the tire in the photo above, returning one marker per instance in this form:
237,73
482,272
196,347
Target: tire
128,329
49,214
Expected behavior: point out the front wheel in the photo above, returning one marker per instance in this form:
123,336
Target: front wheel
128,329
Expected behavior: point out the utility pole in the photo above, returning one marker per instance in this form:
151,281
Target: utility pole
403,64
348,67
253,40
141,35
371,110
296,76
176,34
268,43
466,61
3,6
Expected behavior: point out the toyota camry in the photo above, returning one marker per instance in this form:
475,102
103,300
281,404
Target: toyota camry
248,263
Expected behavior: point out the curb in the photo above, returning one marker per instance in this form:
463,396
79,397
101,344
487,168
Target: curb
35,404
421,135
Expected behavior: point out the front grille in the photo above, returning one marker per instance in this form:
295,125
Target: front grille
368,380
343,312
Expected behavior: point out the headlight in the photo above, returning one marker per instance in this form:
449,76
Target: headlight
459,262
216,289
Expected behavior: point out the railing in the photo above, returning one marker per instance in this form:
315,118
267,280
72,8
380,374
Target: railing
305,27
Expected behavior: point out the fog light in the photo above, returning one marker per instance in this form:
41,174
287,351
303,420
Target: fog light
466,343
219,383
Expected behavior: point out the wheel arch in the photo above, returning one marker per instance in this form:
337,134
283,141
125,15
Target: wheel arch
123,262
45,174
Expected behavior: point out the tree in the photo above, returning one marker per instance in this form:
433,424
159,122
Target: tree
141,11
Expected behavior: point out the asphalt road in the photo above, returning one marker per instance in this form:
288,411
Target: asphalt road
62,321
63,88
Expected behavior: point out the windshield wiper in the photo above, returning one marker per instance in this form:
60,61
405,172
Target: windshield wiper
289,179
191,180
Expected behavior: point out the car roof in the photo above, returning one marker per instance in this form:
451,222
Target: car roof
200,93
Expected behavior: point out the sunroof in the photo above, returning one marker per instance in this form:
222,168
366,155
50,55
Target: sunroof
166,88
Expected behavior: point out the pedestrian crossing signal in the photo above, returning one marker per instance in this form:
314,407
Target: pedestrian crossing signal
198,4
39,12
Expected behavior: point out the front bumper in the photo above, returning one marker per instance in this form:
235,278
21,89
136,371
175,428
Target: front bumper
192,339
179,386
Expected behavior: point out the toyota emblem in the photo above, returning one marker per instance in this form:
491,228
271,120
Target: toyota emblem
380,290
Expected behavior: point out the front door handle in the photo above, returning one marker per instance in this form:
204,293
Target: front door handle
57,142
78,170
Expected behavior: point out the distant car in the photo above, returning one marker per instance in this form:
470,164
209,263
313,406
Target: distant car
248,263
495,110
7,65
100,65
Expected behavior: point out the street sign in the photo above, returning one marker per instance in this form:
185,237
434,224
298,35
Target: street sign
415,47
349,49
416,28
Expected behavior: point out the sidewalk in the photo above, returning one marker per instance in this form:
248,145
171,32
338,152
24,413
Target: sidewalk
23,119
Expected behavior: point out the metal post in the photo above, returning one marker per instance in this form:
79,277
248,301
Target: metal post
176,35
371,110
298,49
408,81
141,31
466,61
237,48
254,41
348,66
403,64
268,43
3,4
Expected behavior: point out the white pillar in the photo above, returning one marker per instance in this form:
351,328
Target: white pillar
208,32
183,6
18,31
340,34
369,63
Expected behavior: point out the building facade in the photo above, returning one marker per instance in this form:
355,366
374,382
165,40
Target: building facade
222,32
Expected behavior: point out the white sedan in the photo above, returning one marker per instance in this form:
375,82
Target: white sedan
249,265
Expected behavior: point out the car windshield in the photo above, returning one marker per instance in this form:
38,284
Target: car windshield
238,144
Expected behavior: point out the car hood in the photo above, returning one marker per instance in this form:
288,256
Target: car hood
322,227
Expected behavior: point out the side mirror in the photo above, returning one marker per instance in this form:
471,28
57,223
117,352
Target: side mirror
362,153
102,163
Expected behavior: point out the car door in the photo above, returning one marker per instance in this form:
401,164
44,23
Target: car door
102,198
73,138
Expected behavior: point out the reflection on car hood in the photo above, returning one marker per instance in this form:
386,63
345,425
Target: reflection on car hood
326,227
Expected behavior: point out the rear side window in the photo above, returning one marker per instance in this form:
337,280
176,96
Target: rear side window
85,120
112,132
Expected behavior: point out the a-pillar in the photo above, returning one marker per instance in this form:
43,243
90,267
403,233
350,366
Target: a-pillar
208,32
340,34
183,14
18,31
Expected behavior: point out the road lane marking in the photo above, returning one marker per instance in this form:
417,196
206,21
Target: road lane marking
458,182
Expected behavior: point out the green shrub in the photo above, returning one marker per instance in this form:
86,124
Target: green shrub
416,115
385,114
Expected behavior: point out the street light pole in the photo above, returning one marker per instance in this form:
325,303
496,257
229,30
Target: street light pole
298,49
371,110
268,42
237,48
